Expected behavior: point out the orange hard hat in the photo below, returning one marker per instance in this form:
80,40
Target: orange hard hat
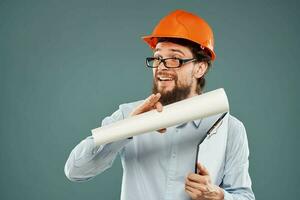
182,24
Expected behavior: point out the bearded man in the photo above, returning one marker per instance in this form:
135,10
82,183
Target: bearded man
160,166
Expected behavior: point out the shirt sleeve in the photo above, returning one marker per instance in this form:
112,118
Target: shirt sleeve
88,160
236,181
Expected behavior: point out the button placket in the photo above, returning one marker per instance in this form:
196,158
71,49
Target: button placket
173,166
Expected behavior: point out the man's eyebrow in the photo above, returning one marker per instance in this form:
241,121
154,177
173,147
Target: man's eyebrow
177,50
157,49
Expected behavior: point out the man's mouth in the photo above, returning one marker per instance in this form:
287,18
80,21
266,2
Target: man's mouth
163,78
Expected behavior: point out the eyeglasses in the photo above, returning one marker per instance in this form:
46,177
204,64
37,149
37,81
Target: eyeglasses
153,62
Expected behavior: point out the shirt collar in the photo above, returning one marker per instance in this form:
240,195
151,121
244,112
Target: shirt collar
196,123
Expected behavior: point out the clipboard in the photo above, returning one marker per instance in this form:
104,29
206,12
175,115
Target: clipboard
212,130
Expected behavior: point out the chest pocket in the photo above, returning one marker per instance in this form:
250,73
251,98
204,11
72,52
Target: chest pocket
212,151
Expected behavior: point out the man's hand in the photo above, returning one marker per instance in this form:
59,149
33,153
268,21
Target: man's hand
199,186
149,104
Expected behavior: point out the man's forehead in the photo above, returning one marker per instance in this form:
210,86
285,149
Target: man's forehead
171,47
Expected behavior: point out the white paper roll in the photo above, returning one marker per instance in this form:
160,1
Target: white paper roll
193,108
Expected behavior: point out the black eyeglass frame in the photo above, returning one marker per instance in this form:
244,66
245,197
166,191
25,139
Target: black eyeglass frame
163,60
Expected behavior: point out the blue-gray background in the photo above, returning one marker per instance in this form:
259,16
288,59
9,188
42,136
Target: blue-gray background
65,65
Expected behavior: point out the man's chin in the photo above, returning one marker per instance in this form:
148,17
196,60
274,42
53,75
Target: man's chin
171,93
164,90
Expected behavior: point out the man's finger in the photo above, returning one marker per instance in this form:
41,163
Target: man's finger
149,103
202,170
158,95
198,178
155,97
194,193
158,106
163,130
191,194
152,100
149,100
197,186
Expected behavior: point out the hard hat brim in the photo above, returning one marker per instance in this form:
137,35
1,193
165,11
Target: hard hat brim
151,40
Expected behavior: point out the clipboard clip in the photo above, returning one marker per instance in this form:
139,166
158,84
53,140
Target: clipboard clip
214,130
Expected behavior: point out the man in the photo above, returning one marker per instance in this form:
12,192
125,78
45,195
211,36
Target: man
160,166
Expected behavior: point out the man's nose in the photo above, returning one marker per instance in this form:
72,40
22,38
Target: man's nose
162,66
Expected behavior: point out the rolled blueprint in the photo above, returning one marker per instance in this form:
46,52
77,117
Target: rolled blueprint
201,106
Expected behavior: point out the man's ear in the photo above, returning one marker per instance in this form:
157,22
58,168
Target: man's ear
200,69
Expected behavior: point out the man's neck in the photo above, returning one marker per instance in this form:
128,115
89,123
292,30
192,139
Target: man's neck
192,94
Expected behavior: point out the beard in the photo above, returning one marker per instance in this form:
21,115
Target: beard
178,93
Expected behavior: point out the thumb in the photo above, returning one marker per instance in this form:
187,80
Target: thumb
202,170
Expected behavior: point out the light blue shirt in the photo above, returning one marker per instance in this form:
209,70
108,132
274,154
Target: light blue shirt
155,165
